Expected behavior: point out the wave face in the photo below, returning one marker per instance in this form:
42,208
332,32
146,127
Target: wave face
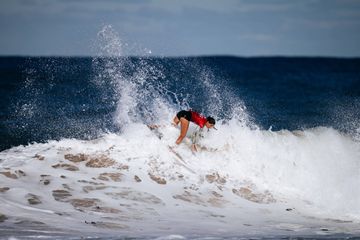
77,155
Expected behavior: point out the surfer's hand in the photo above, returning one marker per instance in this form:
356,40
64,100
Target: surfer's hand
152,126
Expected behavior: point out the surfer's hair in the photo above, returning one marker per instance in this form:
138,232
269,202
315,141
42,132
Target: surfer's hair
211,120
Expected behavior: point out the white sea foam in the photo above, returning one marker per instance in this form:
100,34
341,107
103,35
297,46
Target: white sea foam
245,179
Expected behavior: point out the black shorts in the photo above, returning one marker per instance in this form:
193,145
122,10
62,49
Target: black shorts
184,114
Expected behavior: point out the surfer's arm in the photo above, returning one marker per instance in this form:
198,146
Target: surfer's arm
179,140
184,124
181,136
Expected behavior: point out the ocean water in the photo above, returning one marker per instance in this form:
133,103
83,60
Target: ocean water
77,159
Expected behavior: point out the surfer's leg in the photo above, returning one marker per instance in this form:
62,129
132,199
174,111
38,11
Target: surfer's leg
184,125
180,115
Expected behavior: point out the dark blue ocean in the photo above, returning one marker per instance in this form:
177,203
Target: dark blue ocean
44,98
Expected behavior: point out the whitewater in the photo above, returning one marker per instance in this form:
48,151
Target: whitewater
244,182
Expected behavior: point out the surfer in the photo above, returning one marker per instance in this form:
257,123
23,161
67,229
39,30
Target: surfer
184,118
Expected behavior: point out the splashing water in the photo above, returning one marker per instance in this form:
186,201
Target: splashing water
141,86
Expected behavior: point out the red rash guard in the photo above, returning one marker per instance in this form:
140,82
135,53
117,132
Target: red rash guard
198,119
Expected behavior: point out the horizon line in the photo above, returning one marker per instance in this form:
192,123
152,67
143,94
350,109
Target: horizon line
179,56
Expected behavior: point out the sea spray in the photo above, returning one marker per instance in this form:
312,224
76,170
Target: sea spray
141,86
45,95
136,83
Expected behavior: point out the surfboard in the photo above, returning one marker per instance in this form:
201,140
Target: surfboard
180,160
156,130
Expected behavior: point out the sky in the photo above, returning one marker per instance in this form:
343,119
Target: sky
182,27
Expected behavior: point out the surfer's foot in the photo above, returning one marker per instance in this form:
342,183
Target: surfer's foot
193,148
